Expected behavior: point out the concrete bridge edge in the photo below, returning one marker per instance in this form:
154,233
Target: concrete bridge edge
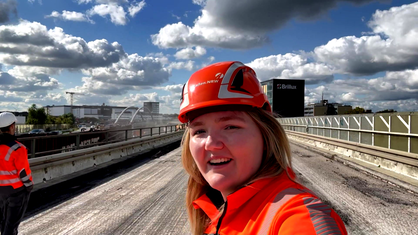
392,177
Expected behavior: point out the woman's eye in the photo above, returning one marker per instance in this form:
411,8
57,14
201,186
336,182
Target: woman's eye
198,132
231,127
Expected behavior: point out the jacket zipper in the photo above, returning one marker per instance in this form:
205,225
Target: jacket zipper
218,226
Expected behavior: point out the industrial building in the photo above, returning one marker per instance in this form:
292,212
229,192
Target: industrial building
153,107
101,112
325,108
286,96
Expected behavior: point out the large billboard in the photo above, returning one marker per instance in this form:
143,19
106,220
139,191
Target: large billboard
288,97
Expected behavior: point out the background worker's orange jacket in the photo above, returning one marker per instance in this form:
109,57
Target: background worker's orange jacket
276,206
14,165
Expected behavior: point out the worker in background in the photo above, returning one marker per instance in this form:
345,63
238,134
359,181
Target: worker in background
15,176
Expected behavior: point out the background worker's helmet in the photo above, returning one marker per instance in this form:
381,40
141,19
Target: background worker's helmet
7,119
223,84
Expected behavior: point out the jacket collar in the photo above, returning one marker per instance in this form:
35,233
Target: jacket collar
235,200
6,138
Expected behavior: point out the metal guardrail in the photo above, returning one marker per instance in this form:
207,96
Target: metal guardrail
389,154
45,161
55,168
50,144
397,131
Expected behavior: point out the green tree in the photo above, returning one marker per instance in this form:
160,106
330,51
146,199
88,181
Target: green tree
357,110
36,115
387,111
50,119
68,118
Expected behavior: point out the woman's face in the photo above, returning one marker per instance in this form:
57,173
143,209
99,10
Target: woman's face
227,148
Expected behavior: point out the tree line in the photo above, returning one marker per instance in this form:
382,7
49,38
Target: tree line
40,116
359,110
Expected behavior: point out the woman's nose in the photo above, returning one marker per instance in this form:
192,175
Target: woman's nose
214,142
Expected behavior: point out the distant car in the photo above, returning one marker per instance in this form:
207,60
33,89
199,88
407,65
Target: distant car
55,132
37,131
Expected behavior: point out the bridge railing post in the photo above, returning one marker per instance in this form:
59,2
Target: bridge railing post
151,131
77,141
32,148
126,135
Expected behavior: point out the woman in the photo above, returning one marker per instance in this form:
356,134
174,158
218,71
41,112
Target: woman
238,158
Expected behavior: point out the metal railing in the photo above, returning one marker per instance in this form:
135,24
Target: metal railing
25,128
397,131
45,145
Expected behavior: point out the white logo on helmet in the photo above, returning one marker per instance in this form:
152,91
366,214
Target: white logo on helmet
219,76
223,90
185,101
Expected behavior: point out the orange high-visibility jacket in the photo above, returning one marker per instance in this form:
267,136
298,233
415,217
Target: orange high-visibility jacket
270,206
14,165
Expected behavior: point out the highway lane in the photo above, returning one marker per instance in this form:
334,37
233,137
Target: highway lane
147,197
367,204
144,199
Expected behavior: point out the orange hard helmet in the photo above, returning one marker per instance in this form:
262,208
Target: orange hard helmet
221,87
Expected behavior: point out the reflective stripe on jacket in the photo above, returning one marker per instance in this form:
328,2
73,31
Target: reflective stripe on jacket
271,206
14,165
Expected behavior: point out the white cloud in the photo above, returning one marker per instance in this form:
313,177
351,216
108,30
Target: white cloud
393,47
134,8
174,89
161,57
32,44
117,13
189,53
70,16
176,16
180,35
29,79
291,66
102,1
108,69
200,2
188,65
399,88
133,72
84,1
227,24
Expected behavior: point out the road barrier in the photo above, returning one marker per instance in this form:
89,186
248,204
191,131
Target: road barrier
398,131
394,160
52,169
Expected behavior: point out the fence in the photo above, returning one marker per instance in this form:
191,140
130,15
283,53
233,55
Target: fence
42,145
397,131
25,128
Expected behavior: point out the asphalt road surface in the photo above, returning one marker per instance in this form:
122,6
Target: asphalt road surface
147,197
367,204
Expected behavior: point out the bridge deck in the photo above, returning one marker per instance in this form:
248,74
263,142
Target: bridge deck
148,198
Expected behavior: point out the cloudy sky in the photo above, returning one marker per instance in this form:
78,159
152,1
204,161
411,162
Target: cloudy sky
124,52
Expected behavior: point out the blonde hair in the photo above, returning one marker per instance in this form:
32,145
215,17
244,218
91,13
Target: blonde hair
276,158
